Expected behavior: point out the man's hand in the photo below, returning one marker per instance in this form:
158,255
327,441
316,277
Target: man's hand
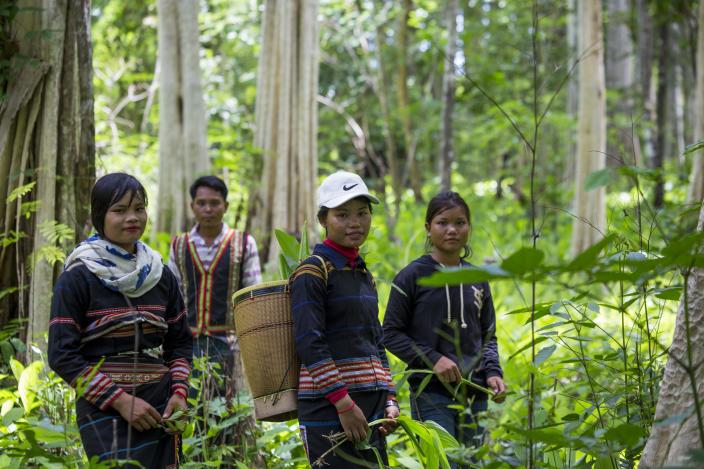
140,414
499,388
447,371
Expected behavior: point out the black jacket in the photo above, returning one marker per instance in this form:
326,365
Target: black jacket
336,324
419,328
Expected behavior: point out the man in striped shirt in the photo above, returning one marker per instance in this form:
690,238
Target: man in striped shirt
211,262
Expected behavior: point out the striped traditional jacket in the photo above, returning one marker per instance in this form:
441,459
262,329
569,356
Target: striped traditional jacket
336,323
91,323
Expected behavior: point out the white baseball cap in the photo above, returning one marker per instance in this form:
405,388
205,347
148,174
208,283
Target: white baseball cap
340,187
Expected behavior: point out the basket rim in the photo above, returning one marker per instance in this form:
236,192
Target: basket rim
245,290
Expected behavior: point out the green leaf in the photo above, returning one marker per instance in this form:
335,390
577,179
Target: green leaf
526,346
28,383
672,293
694,147
524,260
447,440
288,244
464,275
12,416
20,191
590,256
597,179
627,434
544,354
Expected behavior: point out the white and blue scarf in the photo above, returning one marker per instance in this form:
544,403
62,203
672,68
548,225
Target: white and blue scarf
130,274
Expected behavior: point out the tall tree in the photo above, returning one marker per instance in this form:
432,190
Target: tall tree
47,152
644,65
448,97
590,206
286,121
661,104
696,184
414,176
619,74
183,152
682,387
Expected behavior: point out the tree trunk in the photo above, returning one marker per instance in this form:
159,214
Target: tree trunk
658,160
182,118
696,185
589,207
392,162
414,177
447,154
572,83
619,76
286,122
669,445
644,58
46,140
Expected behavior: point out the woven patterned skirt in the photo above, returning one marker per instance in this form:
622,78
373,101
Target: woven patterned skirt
105,433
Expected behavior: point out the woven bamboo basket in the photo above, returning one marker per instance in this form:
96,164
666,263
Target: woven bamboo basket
264,330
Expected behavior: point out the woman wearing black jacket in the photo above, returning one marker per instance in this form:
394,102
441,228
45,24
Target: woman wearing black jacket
449,330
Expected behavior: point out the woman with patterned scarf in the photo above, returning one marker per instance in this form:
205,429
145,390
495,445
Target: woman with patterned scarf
119,334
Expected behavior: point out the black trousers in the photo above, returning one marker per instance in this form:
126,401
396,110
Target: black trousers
318,418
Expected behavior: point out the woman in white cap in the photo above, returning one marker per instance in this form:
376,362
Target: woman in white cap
344,378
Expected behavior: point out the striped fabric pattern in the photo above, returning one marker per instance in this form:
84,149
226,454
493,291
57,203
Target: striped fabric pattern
357,374
180,370
100,391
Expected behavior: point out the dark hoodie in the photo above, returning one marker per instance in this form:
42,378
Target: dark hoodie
420,327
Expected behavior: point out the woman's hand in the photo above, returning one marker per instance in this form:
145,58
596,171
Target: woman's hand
496,383
353,421
141,415
177,402
391,412
447,371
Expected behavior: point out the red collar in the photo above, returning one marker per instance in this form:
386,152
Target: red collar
350,254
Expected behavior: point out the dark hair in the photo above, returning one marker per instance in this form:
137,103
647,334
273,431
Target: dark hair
213,182
108,190
445,201
323,211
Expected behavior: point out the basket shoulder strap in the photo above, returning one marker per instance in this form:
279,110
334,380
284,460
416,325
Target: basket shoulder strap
323,265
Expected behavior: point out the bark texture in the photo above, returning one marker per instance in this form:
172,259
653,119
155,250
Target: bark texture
669,445
46,139
696,185
183,153
447,152
590,206
286,122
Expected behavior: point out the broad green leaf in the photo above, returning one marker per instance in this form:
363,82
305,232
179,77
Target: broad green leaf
464,275
303,248
597,179
447,440
12,416
289,245
544,354
17,368
27,384
590,256
522,261
627,434
672,293
527,346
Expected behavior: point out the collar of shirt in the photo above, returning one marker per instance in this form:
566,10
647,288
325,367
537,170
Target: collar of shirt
338,260
196,238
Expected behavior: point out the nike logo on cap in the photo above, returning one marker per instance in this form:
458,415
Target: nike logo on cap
346,188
